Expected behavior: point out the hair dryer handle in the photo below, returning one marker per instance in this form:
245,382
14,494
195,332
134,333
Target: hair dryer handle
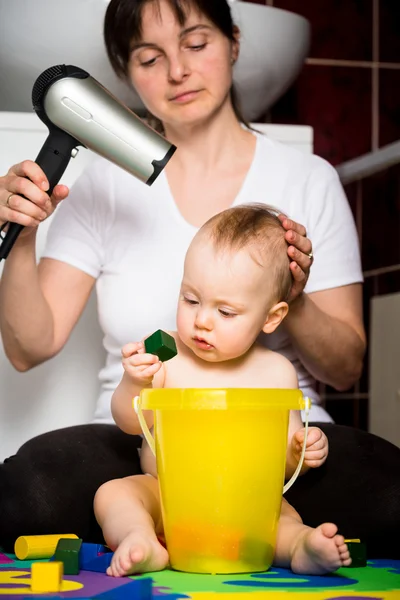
53,159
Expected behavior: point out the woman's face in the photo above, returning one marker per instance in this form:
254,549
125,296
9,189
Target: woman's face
183,74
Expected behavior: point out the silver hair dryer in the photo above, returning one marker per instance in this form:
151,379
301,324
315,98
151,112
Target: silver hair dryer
79,111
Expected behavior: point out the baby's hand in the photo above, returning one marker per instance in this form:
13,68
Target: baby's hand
316,447
138,365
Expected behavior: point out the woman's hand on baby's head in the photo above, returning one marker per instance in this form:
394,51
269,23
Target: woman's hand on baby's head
139,365
317,446
300,254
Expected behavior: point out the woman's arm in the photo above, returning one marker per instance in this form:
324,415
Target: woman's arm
327,330
39,306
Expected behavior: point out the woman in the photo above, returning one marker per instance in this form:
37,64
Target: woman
130,241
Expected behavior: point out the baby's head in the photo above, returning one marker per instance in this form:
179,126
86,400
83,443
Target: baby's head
236,282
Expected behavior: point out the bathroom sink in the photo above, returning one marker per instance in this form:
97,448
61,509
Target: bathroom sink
39,34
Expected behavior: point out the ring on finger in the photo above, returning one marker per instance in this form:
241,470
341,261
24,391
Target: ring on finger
8,200
311,255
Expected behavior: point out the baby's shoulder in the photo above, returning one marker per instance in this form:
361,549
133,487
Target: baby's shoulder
274,369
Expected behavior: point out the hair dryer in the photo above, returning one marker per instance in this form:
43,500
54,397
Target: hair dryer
79,111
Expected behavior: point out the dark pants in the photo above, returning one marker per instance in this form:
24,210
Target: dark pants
49,485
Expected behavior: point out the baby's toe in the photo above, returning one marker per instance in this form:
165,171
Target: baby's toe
136,555
339,540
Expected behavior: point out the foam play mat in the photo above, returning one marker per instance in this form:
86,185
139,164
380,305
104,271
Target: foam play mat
379,580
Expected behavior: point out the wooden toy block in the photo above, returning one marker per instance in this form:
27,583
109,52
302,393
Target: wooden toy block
162,344
46,577
99,564
90,552
358,553
67,552
32,547
138,589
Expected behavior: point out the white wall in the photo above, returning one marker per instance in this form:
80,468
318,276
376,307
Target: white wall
63,391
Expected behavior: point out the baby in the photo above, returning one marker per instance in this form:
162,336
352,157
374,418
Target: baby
235,285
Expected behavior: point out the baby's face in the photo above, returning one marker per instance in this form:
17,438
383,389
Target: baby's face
224,301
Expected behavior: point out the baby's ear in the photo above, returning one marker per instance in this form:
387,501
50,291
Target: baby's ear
275,317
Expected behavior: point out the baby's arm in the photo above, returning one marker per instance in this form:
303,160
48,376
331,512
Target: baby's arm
140,370
316,446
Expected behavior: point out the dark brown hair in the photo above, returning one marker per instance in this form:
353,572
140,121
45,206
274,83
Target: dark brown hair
256,227
123,24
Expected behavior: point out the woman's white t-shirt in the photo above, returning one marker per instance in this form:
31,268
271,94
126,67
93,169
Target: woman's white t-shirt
133,239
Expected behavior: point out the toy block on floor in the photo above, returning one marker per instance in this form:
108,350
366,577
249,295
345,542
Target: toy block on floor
46,577
32,547
99,564
161,344
139,589
90,552
67,552
358,553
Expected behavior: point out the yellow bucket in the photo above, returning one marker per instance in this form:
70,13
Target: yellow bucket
221,457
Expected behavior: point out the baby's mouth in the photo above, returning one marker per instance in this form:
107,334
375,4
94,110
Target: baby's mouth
201,343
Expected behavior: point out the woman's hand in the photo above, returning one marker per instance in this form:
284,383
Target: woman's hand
317,447
23,197
138,365
300,253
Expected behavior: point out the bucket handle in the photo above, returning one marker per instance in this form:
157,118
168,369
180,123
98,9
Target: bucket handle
143,424
151,443
303,450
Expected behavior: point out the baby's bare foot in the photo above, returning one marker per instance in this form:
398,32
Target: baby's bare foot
319,551
139,552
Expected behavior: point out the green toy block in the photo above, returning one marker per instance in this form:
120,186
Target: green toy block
358,554
162,344
67,552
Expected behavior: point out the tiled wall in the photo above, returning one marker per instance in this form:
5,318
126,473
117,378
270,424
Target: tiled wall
349,92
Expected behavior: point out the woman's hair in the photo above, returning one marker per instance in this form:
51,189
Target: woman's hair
123,24
257,228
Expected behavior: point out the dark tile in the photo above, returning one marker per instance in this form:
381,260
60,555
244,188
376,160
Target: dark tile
381,219
351,412
340,29
389,283
389,37
389,105
336,102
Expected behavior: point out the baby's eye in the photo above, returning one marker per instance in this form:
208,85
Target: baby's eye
190,301
226,313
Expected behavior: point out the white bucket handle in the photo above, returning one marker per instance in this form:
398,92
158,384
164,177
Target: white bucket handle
150,440
143,424
303,450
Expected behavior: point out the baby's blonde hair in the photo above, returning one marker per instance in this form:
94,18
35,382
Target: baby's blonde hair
256,227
